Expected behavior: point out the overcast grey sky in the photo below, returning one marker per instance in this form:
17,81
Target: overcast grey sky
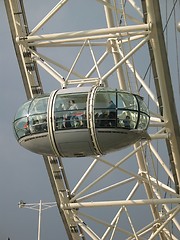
22,174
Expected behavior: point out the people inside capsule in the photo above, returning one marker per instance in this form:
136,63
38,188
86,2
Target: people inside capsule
38,115
59,116
112,113
111,109
127,122
75,118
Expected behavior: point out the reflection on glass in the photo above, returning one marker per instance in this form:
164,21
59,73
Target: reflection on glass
31,117
124,111
143,107
23,110
70,111
21,127
143,121
127,101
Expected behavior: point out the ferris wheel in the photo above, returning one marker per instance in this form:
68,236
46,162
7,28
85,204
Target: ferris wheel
101,110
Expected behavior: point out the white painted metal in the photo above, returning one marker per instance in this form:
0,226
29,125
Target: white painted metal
169,108
145,40
39,220
48,16
19,28
121,203
131,179
91,119
75,36
51,127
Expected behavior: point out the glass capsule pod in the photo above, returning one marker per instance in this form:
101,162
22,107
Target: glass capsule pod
79,122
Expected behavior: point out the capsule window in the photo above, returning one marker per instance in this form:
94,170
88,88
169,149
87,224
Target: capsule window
142,105
127,119
116,109
70,111
23,110
38,115
21,127
127,101
38,106
143,121
105,109
31,117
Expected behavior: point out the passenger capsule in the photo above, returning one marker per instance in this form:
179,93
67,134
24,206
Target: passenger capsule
79,122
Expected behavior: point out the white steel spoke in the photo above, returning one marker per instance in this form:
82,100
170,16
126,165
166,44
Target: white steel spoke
161,161
164,224
148,228
105,3
100,191
133,193
125,58
75,61
136,237
84,176
122,203
148,90
113,167
117,217
94,59
111,227
76,36
48,16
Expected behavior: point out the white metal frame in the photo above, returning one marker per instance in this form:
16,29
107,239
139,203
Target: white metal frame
164,125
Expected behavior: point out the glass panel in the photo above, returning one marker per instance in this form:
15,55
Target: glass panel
38,123
127,119
143,121
127,101
121,115
133,119
102,119
101,101
70,111
23,110
21,127
120,102
38,105
59,113
38,115
105,109
143,107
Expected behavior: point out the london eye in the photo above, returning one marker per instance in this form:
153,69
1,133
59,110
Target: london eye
101,79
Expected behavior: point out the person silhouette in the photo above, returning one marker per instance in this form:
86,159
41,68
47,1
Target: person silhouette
112,113
126,122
